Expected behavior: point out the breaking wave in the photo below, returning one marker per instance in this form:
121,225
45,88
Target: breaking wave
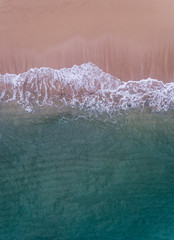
84,87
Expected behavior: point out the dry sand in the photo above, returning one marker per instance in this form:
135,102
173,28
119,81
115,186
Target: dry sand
131,39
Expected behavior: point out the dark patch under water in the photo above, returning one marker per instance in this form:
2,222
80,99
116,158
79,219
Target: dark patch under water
82,179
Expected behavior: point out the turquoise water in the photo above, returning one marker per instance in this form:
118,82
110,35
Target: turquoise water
70,178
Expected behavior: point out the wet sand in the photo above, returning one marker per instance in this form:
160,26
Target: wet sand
131,39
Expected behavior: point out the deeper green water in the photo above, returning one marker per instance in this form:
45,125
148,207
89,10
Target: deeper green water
67,179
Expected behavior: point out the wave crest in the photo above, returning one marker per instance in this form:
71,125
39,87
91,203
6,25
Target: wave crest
86,87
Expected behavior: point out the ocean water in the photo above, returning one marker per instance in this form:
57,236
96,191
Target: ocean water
84,156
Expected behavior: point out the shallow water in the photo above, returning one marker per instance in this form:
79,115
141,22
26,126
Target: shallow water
69,177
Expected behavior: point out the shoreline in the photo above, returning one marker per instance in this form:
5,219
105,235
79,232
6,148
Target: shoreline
131,40
124,60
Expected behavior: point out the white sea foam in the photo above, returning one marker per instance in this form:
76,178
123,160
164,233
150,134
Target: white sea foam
86,87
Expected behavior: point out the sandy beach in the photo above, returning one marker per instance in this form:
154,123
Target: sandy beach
129,39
